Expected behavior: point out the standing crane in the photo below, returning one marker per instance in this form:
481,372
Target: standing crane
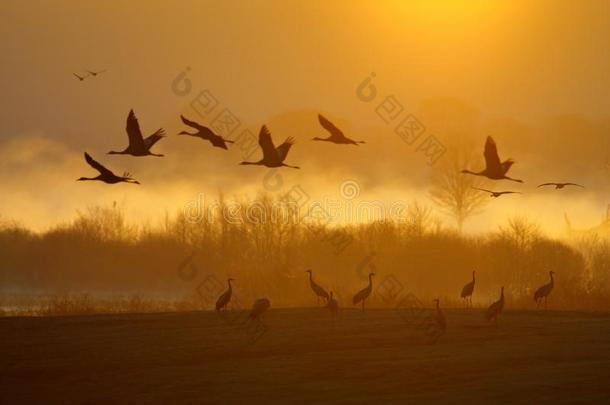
363,294
319,291
225,298
333,306
260,306
467,292
496,308
544,291
441,321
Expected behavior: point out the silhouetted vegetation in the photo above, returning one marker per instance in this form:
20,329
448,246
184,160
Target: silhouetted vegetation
101,263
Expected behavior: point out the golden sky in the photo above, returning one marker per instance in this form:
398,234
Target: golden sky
533,74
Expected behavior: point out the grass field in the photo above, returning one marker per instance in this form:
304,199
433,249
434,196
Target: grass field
300,356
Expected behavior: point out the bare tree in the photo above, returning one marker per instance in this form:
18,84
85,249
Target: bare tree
453,192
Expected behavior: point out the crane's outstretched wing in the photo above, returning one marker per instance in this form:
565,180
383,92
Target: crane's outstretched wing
192,124
266,144
492,160
133,131
282,150
509,192
217,141
547,184
573,184
97,166
482,189
330,127
154,138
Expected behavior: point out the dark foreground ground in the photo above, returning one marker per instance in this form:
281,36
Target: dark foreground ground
377,357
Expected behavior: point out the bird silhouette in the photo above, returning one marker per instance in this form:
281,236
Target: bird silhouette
95,73
494,169
559,186
106,175
336,135
205,133
272,156
332,305
139,146
440,316
225,298
80,78
467,291
260,306
363,294
496,308
319,291
544,291
496,194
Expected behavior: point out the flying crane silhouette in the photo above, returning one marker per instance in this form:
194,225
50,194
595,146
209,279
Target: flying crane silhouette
544,291
336,135
139,146
106,175
92,73
319,291
205,133
494,169
79,77
272,156
496,194
559,186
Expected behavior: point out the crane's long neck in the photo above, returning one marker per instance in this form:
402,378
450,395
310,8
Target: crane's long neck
370,281
230,286
250,163
552,279
473,173
473,276
502,295
86,178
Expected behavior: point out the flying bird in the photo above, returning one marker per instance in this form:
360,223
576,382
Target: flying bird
363,294
205,133
559,186
496,308
467,291
95,73
272,156
494,169
106,175
544,291
139,146
224,299
81,78
319,291
336,135
496,194
260,306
